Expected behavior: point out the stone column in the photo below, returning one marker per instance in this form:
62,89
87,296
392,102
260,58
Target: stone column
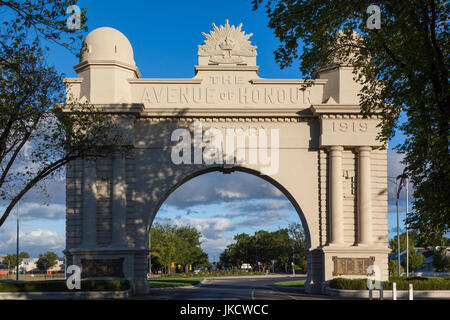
336,200
119,199
364,196
89,204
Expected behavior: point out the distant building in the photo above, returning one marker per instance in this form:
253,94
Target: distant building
29,265
427,254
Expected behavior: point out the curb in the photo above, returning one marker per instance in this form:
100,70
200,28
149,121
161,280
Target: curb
55,295
387,294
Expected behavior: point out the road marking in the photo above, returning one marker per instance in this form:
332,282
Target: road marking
284,293
253,294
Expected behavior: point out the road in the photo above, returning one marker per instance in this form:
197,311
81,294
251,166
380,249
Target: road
235,288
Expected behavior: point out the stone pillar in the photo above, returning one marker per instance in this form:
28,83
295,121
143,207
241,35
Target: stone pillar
364,196
89,237
119,199
336,199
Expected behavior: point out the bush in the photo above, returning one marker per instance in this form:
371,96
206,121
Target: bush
419,283
60,285
348,284
220,273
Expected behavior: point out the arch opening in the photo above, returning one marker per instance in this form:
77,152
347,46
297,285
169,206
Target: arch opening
282,195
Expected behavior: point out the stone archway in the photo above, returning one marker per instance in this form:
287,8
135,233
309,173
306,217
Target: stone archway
269,179
312,143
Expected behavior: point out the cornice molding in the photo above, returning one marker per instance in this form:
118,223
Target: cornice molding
108,63
228,112
165,81
225,68
289,81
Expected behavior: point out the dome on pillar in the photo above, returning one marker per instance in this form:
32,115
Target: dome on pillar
107,44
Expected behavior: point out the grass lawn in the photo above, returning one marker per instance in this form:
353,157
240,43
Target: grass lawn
165,282
295,284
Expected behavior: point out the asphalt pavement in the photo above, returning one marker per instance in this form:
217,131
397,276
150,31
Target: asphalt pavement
236,288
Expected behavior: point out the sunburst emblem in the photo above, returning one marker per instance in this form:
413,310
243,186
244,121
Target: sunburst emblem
227,44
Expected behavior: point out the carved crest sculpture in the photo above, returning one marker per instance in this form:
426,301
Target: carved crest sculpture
227,45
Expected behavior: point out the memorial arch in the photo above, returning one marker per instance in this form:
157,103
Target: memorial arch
311,143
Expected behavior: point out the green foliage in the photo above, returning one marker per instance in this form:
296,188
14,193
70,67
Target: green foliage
403,69
296,283
165,282
10,261
348,284
24,255
217,273
46,260
39,132
176,244
393,268
267,246
412,239
419,283
417,241
61,285
441,260
415,260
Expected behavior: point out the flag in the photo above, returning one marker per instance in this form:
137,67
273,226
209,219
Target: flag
401,185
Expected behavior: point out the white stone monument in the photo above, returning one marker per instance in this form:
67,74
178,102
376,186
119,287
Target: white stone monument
329,164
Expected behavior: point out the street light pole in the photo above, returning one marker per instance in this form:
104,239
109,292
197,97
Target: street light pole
293,261
256,247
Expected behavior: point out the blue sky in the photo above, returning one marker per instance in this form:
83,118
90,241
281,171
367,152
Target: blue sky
165,36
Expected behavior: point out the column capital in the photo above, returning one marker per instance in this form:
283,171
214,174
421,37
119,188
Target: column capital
363,148
336,148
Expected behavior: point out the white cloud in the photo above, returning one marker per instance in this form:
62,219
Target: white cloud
32,241
216,187
33,210
214,247
227,194
210,228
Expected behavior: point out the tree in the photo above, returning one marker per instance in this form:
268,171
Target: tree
46,260
403,69
39,133
412,236
180,245
416,241
10,261
268,247
24,255
298,234
393,270
415,260
441,259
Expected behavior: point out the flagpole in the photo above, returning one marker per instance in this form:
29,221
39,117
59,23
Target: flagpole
17,248
406,226
398,235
